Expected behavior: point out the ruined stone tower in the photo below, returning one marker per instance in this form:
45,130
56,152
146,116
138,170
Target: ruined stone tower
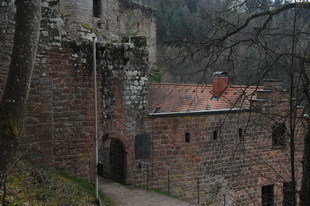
109,17
59,128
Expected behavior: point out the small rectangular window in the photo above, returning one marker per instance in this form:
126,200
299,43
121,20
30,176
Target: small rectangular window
278,132
240,133
187,137
97,8
267,195
287,194
215,133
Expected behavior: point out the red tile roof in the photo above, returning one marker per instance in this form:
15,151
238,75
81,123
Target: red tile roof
193,97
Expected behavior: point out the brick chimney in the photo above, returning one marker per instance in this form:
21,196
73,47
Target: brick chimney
219,83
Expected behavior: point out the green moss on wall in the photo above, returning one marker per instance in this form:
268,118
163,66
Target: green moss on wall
90,28
8,127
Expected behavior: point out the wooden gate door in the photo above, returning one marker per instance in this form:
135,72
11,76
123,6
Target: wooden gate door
117,161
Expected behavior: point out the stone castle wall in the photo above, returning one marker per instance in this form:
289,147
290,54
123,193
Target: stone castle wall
114,14
124,96
145,17
59,125
230,169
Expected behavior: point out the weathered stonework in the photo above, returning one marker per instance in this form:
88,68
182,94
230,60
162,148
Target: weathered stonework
231,168
124,94
59,127
228,168
112,19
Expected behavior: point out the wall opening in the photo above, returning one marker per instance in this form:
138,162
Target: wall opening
187,137
97,8
113,159
240,134
267,195
287,194
118,22
215,134
278,132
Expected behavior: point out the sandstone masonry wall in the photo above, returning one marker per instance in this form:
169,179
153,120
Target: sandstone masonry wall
114,14
115,21
59,126
230,154
230,168
124,83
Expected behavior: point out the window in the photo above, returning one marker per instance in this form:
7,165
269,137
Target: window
107,24
278,132
267,195
96,8
287,194
215,135
240,133
187,137
119,24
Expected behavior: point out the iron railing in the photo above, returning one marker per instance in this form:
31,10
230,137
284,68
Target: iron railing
180,184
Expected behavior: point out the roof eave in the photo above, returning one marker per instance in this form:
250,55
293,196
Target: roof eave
201,112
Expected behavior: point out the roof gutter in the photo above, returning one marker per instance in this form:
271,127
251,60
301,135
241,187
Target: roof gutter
201,112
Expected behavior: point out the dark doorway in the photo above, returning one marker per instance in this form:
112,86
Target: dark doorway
117,160
113,159
267,195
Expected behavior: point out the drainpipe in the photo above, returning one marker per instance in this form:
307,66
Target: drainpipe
95,117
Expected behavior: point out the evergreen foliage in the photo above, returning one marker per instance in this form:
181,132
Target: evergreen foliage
130,26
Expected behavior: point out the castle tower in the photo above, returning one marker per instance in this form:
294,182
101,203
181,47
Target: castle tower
108,18
79,10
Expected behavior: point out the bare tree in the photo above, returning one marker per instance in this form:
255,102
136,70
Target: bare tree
272,40
13,102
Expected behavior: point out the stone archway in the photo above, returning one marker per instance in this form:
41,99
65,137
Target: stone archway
114,158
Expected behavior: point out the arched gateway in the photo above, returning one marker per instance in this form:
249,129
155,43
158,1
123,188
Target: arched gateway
114,158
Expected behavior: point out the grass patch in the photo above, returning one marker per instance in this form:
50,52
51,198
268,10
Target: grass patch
87,186
83,184
107,201
31,184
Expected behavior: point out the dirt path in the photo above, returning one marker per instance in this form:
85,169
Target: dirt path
131,196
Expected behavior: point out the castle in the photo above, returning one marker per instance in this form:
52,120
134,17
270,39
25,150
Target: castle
217,144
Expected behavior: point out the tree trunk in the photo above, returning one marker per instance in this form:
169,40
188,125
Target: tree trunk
305,181
305,184
13,103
